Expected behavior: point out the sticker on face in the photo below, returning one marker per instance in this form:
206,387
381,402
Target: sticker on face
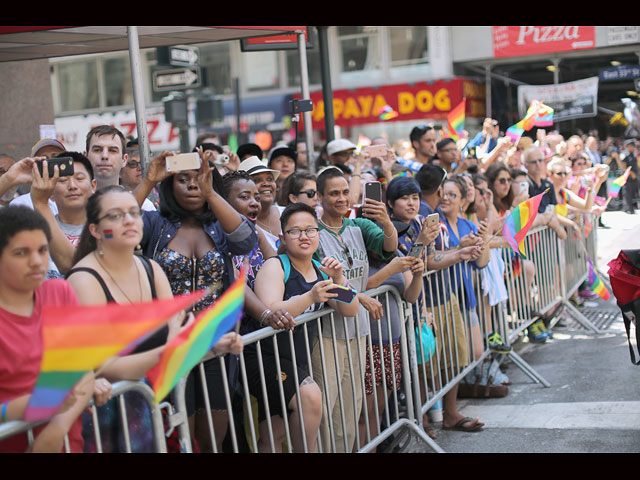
108,233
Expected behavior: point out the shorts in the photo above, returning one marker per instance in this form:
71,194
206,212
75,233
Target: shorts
194,397
271,381
389,369
451,336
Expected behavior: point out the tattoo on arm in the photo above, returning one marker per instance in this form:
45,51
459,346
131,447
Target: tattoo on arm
307,381
438,257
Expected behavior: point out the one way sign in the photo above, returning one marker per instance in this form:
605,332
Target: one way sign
177,78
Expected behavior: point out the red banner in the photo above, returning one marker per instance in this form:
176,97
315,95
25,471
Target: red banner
511,41
420,100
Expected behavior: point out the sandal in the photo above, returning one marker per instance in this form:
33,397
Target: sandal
430,432
466,424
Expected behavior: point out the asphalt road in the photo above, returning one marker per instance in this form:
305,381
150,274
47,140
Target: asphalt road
593,402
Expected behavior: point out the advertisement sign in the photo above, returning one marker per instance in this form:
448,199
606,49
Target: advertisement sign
274,42
419,100
511,41
72,131
569,100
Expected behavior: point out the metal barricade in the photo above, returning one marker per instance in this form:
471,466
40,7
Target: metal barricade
119,389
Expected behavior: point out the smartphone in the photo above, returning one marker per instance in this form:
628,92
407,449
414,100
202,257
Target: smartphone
372,190
433,219
183,161
416,250
65,166
345,294
524,186
376,151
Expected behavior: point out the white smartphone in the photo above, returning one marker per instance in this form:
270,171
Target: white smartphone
183,161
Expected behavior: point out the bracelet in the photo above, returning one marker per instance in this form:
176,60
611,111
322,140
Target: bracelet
3,413
388,236
264,315
356,175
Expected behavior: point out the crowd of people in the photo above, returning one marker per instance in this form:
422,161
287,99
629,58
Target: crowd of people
302,224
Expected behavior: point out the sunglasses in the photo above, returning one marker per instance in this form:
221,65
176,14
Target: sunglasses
504,181
345,250
309,193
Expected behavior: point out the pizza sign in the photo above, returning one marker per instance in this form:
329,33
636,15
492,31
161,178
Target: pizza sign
510,41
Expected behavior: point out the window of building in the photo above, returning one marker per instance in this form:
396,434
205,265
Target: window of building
261,70
360,54
78,85
408,51
313,62
117,81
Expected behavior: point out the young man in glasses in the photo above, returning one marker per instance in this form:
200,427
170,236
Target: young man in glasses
348,241
131,176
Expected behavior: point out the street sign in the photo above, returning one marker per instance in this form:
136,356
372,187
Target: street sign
178,56
177,79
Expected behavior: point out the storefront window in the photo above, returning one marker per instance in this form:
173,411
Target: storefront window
215,61
78,85
117,82
360,51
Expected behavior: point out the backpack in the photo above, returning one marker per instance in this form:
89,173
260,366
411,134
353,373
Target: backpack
286,266
624,276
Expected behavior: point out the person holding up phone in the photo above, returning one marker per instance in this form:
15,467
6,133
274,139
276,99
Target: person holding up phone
348,241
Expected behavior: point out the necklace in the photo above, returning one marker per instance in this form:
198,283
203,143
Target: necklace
329,226
116,283
266,225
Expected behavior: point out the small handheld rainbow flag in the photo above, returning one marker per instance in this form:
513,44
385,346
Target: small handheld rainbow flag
456,118
519,221
538,115
387,113
618,183
186,350
595,284
79,338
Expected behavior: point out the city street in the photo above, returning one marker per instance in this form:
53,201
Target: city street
593,402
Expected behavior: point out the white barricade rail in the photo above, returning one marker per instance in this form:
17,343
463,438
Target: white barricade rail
352,421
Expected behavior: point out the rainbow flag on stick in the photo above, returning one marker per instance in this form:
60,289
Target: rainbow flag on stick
519,221
455,119
618,183
186,350
80,338
538,115
595,284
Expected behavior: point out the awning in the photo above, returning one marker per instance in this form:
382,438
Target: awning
36,42
28,43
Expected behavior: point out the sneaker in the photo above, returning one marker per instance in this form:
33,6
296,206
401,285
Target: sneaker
496,344
536,333
586,293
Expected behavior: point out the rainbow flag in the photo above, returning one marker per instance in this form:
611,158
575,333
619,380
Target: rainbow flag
186,350
618,183
519,221
514,133
456,118
595,284
387,113
79,338
538,115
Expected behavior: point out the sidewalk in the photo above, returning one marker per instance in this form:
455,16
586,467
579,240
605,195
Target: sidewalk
593,402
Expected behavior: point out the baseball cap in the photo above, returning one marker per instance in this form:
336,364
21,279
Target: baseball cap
339,145
46,142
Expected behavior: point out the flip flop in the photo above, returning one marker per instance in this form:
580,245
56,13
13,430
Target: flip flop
475,424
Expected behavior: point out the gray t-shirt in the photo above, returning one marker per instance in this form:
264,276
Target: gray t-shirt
73,233
356,237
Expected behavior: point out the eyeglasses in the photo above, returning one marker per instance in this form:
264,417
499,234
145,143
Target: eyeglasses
504,181
118,215
309,193
133,164
451,195
560,174
534,161
295,233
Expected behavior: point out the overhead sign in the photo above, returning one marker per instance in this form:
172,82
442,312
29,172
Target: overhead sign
274,42
511,41
622,72
178,56
177,79
420,100
569,100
